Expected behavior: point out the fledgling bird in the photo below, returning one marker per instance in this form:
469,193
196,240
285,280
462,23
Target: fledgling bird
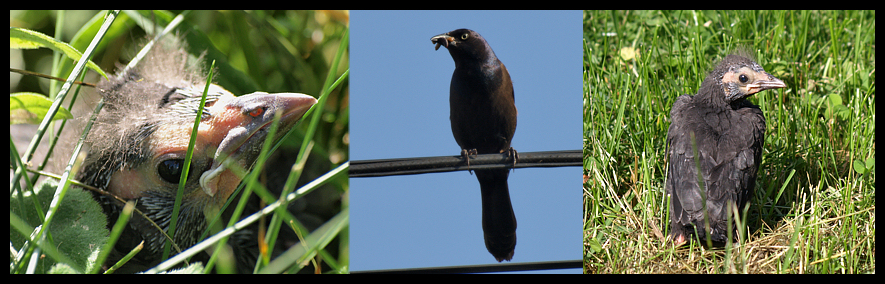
728,133
483,116
139,142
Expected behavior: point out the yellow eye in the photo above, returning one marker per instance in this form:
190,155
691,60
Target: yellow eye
464,36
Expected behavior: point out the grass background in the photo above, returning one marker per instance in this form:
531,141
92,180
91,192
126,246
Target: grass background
272,51
814,206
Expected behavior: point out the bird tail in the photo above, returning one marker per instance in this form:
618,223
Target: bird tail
498,220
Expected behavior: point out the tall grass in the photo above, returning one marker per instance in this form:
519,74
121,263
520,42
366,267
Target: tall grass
814,206
276,51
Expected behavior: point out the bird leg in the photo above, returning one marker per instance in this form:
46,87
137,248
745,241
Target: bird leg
677,240
466,155
513,154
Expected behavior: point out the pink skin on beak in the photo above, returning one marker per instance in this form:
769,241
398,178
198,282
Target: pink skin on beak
239,126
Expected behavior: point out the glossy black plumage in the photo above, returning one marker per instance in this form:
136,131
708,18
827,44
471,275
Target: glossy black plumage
483,117
727,133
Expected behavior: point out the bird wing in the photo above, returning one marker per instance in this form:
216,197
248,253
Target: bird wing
728,161
682,185
739,155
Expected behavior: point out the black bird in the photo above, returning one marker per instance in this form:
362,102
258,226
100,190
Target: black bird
721,134
483,115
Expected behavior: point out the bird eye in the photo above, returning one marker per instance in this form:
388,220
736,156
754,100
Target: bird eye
170,170
464,36
743,78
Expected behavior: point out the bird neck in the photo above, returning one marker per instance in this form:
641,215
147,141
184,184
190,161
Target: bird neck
488,70
712,93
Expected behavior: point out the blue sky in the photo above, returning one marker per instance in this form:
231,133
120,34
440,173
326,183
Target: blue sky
400,109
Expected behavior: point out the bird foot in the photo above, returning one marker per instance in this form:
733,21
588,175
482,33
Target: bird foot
677,240
513,154
466,155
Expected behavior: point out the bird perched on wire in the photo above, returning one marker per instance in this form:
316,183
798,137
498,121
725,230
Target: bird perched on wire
715,144
483,116
138,144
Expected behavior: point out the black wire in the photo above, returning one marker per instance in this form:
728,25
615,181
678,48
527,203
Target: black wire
423,165
485,268
411,166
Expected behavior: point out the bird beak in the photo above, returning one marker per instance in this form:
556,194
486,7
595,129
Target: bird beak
241,125
765,84
443,39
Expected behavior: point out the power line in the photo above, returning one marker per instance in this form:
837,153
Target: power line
484,268
423,165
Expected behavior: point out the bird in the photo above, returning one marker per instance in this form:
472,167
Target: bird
138,144
714,148
483,117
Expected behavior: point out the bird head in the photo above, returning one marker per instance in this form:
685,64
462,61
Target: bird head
139,143
464,44
739,77
230,133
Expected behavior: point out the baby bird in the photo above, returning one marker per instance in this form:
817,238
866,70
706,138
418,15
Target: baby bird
138,144
715,144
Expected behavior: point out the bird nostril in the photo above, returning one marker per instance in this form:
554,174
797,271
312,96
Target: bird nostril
256,112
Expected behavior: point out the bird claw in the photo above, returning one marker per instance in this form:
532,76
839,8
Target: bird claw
466,155
677,240
512,153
